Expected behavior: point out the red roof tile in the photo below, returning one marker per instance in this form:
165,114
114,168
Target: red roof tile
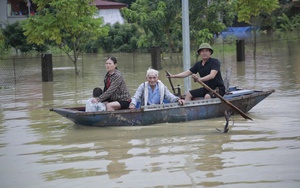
108,4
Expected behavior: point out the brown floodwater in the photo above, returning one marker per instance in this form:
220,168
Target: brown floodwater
39,148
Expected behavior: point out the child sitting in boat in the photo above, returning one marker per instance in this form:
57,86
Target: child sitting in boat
95,107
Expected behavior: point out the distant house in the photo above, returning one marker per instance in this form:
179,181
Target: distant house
110,11
16,10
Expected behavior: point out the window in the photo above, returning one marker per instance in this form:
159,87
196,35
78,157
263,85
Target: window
20,7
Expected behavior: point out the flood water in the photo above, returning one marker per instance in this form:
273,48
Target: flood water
39,148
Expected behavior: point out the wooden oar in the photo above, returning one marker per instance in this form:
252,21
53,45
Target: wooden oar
224,100
168,74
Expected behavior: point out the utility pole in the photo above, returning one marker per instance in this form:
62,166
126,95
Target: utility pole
186,43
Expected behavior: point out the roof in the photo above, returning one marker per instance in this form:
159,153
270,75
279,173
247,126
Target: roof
108,4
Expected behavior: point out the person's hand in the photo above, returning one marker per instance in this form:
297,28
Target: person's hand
181,101
132,106
94,101
195,77
168,75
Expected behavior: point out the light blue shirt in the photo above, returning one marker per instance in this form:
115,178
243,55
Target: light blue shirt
153,95
142,94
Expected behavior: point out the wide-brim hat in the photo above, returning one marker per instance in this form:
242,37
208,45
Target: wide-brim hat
205,46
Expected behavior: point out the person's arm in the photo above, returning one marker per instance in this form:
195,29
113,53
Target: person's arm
181,75
137,96
116,81
171,97
208,77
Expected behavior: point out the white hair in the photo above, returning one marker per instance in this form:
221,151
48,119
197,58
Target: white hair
152,71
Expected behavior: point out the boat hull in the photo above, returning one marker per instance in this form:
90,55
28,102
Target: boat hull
165,113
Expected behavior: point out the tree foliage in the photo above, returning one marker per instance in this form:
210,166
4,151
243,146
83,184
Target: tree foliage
289,24
157,18
14,37
250,11
3,46
247,10
69,24
121,38
162,21
209,18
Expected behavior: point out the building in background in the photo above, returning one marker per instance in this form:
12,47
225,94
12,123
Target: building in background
110,11
17,10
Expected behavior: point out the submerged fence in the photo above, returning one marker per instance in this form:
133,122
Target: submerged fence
28,68
25,68
16,68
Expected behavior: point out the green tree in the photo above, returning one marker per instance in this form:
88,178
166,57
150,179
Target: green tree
121,38
250,11
208,19
14,37
288,24
3,46
69,24
159,20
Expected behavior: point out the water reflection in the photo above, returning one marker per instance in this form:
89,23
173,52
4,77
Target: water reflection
134,157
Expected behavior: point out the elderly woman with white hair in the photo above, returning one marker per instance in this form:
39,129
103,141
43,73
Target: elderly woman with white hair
153,91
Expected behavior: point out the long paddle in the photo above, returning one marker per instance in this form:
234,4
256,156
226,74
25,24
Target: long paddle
224,100
168,74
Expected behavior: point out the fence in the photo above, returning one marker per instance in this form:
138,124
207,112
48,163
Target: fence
25,68
16,68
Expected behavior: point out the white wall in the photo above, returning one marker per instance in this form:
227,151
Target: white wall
111,16
3,12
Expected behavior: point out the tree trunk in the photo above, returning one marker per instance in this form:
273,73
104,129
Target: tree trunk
155,57
75,54
170,46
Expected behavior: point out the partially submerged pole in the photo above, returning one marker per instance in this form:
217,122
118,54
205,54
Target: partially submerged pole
47,68
186,43
240,50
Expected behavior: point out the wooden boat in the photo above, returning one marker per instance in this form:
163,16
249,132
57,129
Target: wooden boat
243,99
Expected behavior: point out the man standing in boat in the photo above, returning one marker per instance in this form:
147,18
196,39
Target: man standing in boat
209,70
153,91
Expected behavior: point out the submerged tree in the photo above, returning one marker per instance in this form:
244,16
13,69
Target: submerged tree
249,12
159,20
69,24
162,19
208,19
